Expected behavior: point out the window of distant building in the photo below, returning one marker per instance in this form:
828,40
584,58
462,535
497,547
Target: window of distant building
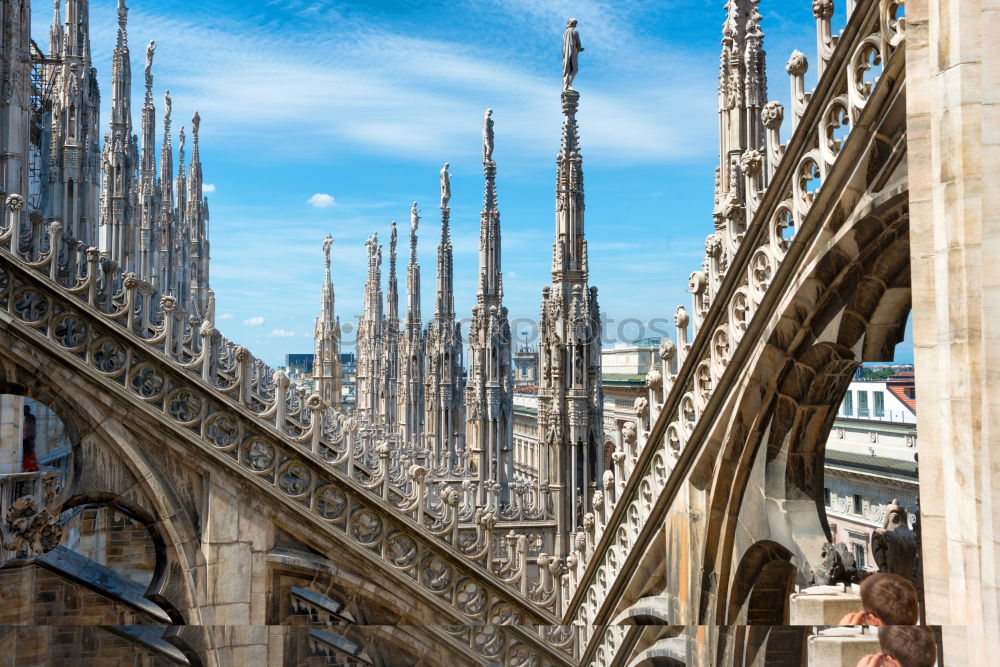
862,403
826,497
878,403
857,504
859,554
848,404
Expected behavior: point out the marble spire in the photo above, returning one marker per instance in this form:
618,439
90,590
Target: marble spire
390,394
444,420
411,353
326,335
120,164
197,227
489,392
148,193
166,226
370,338
742,97
570,399
75,161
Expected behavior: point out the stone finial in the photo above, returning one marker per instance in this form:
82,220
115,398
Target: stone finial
750,162
168,304
823,9
681,317
15,203
797,64
667,348
697,282
641,407
772,115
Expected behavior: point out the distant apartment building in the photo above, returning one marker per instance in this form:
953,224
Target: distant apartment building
623,380
871,460
299,368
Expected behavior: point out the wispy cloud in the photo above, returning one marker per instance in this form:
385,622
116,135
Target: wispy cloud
226,316
321,200
208,187
254,321
340,85
281,333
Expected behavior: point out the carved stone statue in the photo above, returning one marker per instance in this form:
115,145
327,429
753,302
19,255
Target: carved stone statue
894,545
414,217
571,52
168,106
327,244
445,186
150,50
181,140
488,136
837,566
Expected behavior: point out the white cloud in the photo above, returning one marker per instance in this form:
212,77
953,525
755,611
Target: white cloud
226,316
320,200
208,187
432,100
255,321
281,333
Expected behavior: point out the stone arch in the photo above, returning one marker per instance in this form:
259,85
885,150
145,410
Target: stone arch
147,521
97,424
846,305
764,576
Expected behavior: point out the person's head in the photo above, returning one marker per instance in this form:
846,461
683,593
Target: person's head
890,598
909,645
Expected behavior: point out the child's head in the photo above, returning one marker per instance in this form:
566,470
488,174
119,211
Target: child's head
909,645
890,598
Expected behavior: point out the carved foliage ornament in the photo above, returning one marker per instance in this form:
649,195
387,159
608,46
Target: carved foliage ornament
29,529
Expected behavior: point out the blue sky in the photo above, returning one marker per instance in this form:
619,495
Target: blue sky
364,103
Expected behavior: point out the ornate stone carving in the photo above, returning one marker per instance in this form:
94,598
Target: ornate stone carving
772,115
894,545
837,566
30,530
797,64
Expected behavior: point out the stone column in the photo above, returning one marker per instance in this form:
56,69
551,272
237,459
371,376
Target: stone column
953,146
11,415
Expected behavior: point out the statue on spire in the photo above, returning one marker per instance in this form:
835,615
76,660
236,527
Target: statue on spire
414,217
445,186
168,105
571,52
150,50
488,136
122,13
327,244
195,124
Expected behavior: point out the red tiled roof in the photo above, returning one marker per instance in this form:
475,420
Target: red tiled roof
899,391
